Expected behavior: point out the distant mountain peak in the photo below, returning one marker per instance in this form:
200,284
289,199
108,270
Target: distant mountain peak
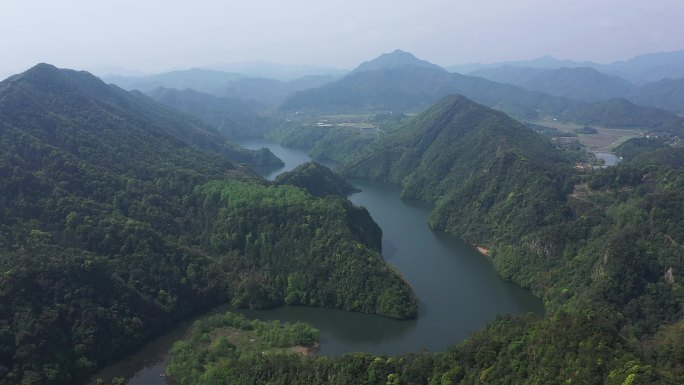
394,59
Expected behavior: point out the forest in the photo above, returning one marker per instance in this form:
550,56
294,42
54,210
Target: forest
602,247
114,226
120,216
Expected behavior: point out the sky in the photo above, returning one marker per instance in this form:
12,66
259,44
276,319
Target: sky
105,36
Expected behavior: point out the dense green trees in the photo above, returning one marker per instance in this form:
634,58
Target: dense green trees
118,217
604,248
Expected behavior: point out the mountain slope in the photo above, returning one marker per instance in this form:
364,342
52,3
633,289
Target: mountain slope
580,83
508,74
232,117
458,152
667,94
317,179
623,113
197,79
414,88
392,60
113,226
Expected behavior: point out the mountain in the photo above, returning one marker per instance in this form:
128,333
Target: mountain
639,70
392,60
667,94
317,179
414,88
232,117
580,83
120,216
107,101
507,74
197,79
623,113
269,92
543,62
283,72
648,68
456,153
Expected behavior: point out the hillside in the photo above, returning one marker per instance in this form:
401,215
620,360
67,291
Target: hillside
232,117
458,152
202,80
508,74
667,94
120,217
580,83
268,92
414,88
602,247
639,70
392,60
623,113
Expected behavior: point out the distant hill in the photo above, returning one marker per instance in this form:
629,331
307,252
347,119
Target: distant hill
283,72
623,113
197,79
580,83
269,92
232,117
648,68
666,93
508,74
392,60
639,70
104,102
414,88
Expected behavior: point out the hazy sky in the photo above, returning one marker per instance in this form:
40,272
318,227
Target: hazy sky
157,35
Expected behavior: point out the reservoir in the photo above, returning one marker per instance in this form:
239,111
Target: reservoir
458,290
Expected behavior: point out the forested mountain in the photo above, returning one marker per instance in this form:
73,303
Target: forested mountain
392,60
623,113
580,83
667,94
269,92
508,74
459,152
119,216
414,88
197,79
232,117
639,70
602,247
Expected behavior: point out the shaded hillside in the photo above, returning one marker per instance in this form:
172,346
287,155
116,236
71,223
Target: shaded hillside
114,225
581,83
197,79
317,179
639,70
508,74
667,94
603,247
414,88
232,117
268,92
623,113
459,152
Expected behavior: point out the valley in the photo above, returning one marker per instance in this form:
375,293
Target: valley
457,289
125,214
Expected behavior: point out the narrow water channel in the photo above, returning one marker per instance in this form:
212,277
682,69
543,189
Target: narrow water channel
458,290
